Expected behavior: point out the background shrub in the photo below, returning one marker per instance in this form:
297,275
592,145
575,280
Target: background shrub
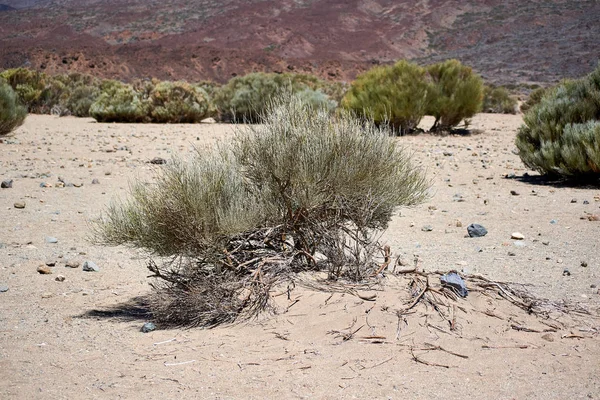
455,94
12,114
534,98
178,102
498,100
120,102
560,134
238,219
29,86
246,98
390,94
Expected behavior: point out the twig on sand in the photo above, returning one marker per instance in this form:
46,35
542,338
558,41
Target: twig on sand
421,361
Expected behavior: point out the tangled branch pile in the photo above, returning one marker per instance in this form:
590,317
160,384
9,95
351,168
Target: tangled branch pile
301,191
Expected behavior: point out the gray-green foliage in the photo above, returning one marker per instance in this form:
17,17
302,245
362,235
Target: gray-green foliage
455,94
120,102
497,99
303,182
395,95
178,102
246,98
560,134
12,114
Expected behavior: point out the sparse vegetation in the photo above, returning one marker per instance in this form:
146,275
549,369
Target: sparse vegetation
498,100
394,95
561,133
455,94
302,191
12,114
534,98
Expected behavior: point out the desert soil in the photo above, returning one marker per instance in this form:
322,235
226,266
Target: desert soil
68,340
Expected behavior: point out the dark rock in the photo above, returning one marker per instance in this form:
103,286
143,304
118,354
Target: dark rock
95,181
476,230
90,266
566,272
586,202
148,327
584,264
7,184
514,192
158,161
60,278
573,200
455,282
50,263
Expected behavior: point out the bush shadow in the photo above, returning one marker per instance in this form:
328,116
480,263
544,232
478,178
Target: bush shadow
136,309
557,182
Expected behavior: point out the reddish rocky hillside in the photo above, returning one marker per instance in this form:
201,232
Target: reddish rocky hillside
507,41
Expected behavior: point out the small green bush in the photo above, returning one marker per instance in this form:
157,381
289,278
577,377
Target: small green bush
394,95
455,94
238,219
534,98
12,114
178,102
120,102
561,135
28,85
245,98
79,100
498,100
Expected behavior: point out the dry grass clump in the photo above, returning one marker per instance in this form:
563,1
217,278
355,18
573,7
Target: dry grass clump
302,191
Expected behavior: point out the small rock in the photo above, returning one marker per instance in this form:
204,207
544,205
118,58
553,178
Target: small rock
412,224
44,270
47,295
545,243
517,236
573,200
512,254
448,153
60,185
50,239
586,202
548,337
95,181
7,184
476,230
427,228
72,264
584,264
50,263
19,205
45,185
60,278
514,193
553,221
566,272
593,217
592,286
148,327
90,266
158,161
458,223
3,288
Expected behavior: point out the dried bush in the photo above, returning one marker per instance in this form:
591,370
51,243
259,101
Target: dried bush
455,94
12,114
120,102
390,94
231,223
246,98
498,100
178,102
560,135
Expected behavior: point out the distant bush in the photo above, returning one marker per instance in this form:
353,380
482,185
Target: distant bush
80,99
534,98
12,114
455,94
245,98
561,134
178,102
120,102
498,100
241,218
394,95
29,86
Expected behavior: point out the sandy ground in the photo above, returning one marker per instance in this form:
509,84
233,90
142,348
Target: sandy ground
54,345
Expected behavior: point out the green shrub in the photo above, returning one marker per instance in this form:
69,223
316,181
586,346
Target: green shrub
390,94
12,114
120,102
534,98
498,100
178,102
80,99
248,214
28,85
455,94
560,135
245,98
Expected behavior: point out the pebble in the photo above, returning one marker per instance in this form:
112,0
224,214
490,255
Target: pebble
545,243
517,236
7,184
148,327
476,230
90,266
44,270
72,264
458,223
50,263
3,288
514,193
427,228
50,239
553,221
586,202
584,264
573,200
60,278
512,254
45,185
19,204
566,272
47,295
158,161
95,181
548,337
